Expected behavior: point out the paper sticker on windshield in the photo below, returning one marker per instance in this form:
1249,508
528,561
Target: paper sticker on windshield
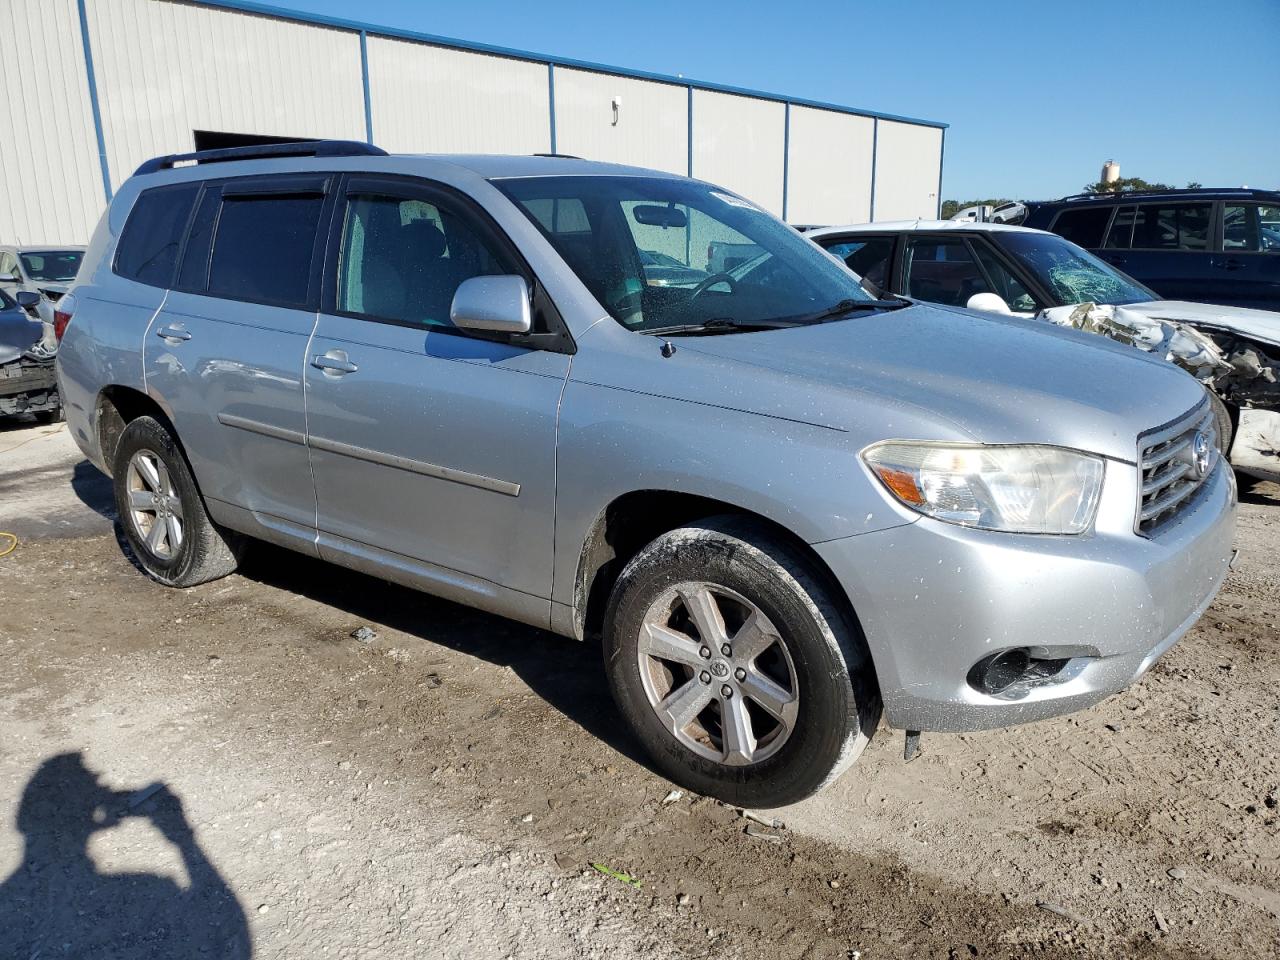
734,201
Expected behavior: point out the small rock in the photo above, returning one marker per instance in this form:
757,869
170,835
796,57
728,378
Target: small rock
527,818
672,797
1060,911
1160,924
1177,873
344,764
432,680
683,900
364,634
263,907
833,884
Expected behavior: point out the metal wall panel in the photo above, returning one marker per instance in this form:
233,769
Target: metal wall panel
49,167
165,69
652,128
908,161
429,99
738,143
829,167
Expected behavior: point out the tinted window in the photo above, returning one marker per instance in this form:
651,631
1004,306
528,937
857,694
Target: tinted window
1120,236
1251,227
1007,286
868,258
263,246
52,266
1182,226
148,249
1084,225
403,259
942,271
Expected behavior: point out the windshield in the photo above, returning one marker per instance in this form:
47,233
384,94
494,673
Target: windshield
1072,274
606,228
51,266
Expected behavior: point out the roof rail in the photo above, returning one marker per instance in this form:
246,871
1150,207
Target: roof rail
561,156
303,148
1169,192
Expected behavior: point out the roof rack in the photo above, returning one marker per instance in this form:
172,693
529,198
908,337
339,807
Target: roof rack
561,156
304,148
1171,192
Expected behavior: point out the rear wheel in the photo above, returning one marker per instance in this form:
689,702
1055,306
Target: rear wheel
162,513
735,668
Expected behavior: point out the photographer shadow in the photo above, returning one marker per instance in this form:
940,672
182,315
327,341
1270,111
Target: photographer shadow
57,902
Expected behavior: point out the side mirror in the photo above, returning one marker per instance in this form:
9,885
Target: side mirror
990,302
492,303
27,299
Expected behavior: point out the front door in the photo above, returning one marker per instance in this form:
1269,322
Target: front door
433,450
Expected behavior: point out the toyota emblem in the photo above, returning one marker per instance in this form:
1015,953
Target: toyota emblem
1200,455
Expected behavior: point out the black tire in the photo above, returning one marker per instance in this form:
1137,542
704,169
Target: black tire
839,701
1224,423
205,552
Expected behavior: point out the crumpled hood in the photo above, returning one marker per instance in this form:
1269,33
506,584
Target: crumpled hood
18,333
1263,325
1000,379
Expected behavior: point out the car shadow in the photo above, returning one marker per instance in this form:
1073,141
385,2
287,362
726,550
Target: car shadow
94,489
57,901
1264,492
568,675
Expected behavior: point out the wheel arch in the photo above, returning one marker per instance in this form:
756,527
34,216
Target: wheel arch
632,520
116,407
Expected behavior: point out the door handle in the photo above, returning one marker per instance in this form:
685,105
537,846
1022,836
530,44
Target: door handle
172,334
1231,263
334,363
1115,261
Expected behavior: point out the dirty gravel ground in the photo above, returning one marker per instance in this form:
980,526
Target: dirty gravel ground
443,790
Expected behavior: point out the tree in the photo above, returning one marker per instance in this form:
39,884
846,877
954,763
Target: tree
1124,185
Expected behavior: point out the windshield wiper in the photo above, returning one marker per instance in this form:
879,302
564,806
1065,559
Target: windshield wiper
722,325
849,306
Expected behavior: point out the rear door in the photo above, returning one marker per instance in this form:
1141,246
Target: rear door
1247,269
1167,245
224,356
433,448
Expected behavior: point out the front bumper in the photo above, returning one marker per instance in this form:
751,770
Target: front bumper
935,598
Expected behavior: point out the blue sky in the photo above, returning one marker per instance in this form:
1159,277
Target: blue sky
1038,94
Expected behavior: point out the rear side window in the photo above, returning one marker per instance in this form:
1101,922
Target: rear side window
1181,226
1250,227
1083,226
152,236
263,247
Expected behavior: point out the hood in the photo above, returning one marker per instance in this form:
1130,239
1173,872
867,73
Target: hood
1261,325
18,333
999,379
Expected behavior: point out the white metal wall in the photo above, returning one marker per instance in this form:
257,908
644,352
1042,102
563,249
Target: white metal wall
829,160
908,166
166,69
652,128
435,100
52,182
738,142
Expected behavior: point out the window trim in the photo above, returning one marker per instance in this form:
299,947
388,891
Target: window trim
556,339
270,186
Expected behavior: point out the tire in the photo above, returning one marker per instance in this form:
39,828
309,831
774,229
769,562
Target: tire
789,632
148,462
1223,422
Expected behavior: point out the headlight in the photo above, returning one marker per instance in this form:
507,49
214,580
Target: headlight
1028,489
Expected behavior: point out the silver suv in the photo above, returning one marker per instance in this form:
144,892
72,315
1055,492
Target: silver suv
780,504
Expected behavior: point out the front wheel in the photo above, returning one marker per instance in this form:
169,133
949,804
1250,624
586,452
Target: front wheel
162,513
735,668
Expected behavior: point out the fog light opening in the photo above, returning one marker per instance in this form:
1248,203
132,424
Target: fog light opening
995,674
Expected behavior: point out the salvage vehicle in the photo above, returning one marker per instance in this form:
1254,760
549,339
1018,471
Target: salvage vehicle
1234,351
782,507
44,271
28,382
1217,246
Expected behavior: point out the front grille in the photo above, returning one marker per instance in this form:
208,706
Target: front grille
1174,461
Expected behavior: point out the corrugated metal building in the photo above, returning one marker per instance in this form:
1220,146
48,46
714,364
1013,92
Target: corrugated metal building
94,87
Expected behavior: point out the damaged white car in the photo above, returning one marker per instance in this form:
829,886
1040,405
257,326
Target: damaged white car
1234,351
27,351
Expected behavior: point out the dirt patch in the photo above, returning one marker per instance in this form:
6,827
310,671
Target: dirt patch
444,789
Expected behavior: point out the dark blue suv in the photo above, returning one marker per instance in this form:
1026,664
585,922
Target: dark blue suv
1212,246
